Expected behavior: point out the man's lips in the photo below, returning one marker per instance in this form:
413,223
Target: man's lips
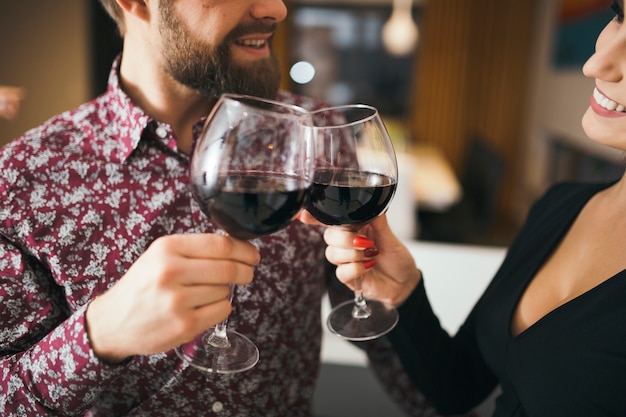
252,46
252,43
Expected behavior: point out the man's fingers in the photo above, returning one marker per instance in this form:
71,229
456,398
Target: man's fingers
197,272
208,246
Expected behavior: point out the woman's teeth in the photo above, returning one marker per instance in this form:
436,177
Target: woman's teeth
606,102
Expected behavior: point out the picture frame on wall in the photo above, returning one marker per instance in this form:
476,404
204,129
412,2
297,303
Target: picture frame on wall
578,24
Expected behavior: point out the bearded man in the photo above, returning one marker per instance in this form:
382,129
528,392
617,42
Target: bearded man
107,262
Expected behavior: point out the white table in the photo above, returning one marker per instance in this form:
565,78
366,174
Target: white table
455,276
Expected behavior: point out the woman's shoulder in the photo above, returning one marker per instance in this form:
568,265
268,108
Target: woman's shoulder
560,204
570,192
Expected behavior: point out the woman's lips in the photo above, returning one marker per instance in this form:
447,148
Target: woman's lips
604,106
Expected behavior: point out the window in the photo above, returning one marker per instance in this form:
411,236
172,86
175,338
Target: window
344,46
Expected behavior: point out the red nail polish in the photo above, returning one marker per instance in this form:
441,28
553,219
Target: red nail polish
369,263
362,242
370,252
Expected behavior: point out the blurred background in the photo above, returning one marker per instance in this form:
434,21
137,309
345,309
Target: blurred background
483,98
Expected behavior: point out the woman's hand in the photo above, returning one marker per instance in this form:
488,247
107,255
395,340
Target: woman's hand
385,266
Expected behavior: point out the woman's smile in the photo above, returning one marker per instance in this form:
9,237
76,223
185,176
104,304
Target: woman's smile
604,106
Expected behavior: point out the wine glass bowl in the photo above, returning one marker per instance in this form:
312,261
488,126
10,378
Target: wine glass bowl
250,172
355,179
250,169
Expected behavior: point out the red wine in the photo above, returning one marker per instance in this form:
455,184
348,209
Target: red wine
251,205
349,198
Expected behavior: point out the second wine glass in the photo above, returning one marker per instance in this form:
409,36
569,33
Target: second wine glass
355,179
251,170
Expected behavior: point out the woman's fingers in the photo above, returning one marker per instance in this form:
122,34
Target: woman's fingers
342,239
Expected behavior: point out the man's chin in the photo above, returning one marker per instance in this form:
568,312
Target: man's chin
259,79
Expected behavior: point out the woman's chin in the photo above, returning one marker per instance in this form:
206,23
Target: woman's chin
607,132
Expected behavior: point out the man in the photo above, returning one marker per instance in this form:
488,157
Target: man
106,261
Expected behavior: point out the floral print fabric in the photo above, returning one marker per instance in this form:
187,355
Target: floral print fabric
83,196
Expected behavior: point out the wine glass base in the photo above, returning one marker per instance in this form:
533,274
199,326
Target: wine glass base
241,354
381,321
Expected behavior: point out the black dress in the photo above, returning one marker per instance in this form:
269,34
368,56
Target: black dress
572,362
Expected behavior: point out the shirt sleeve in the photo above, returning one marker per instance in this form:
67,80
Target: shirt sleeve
450,371
385,363
46,364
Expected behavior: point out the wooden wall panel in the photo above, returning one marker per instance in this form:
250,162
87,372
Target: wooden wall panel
438,99
472,77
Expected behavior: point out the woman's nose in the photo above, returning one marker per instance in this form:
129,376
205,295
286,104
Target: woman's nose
608,63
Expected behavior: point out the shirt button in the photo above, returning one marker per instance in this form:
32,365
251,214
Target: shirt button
217,407
161,132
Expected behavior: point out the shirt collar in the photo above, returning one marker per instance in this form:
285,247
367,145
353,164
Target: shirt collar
130,123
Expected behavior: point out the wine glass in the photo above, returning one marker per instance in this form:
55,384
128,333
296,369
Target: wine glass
355,179
251,170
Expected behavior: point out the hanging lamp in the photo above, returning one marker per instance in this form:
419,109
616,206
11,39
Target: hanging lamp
400,33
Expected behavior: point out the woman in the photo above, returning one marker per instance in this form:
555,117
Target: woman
551,327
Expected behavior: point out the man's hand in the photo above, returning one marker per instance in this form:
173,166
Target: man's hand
173,292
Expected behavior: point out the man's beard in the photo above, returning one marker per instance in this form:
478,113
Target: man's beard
211,71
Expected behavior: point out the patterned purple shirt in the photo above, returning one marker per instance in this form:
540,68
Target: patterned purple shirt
83,196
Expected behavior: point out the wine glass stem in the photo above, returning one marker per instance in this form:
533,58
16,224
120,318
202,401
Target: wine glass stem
360,309
219,338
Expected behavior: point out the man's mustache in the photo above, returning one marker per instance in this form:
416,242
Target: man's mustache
256,27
